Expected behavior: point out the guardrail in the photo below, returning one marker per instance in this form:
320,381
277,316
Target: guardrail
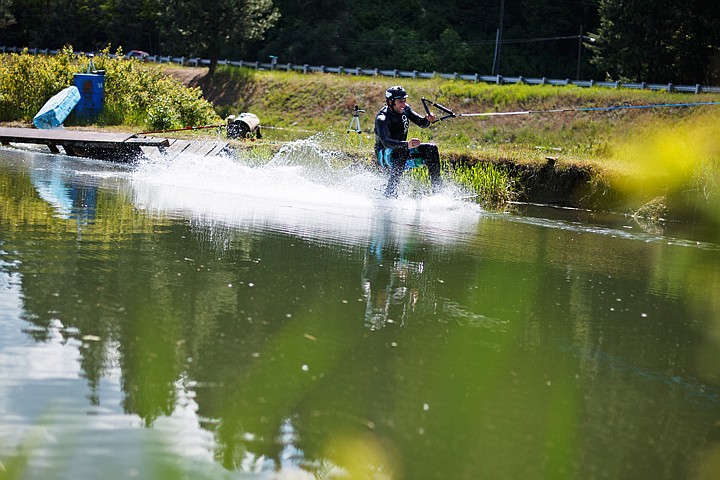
496,79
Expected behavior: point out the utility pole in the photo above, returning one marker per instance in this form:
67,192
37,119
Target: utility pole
580,39
498,40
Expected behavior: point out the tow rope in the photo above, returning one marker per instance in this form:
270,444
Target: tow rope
450,114
181,129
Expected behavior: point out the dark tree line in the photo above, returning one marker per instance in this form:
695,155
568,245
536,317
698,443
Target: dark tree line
456,35
634,40
668,40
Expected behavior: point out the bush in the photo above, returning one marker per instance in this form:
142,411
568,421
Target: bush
28,81
136,94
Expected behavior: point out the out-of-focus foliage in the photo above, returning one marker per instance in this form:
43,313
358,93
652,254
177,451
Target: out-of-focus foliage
672,164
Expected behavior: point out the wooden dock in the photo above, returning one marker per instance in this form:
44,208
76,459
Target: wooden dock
116,147
197,147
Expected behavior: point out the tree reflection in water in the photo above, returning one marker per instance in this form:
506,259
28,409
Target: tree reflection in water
400,348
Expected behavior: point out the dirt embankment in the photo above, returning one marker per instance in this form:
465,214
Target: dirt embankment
187,75
222,92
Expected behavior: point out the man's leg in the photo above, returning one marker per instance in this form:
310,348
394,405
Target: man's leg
429,152
397,165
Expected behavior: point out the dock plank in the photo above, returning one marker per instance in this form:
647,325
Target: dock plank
121,147
205,148
220,148
177,147
58,136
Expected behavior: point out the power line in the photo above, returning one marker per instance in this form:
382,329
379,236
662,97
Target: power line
468,43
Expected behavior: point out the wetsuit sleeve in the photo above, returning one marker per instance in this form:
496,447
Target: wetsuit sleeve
382,130
416,118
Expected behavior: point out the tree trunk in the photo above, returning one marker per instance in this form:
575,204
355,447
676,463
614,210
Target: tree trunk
213,62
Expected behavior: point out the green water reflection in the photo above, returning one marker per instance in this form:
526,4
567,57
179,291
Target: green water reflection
518,348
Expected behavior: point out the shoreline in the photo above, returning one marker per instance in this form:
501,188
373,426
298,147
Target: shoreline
552,183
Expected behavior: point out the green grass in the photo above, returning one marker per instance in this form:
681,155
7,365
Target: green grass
492,184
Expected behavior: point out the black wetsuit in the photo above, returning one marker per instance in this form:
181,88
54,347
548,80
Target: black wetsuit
391,146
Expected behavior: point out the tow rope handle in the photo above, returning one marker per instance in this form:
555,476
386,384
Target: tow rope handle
448,113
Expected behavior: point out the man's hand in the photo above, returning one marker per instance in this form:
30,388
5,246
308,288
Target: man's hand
413,143
430,117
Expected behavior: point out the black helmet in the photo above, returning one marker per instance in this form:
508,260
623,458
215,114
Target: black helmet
395,92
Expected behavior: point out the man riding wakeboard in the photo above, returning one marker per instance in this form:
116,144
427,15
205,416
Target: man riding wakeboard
392,148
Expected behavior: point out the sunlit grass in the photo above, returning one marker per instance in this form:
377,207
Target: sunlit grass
491,183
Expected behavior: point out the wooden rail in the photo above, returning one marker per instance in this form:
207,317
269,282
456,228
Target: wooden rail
116,147
120,147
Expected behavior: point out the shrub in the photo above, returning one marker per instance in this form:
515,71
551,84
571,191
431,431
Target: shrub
27,81
136,94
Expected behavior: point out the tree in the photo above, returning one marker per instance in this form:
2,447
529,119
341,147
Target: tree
209,26
6,16
55,23
132,24
660,41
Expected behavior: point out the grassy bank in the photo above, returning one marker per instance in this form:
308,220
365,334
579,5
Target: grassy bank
659,163
655,162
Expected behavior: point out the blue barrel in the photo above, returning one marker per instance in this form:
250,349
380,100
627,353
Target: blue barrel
92,95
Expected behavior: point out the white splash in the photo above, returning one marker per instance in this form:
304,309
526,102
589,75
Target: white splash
302,189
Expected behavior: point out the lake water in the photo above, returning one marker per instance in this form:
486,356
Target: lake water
219,318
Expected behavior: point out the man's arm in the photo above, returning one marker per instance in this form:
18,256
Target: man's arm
417,119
